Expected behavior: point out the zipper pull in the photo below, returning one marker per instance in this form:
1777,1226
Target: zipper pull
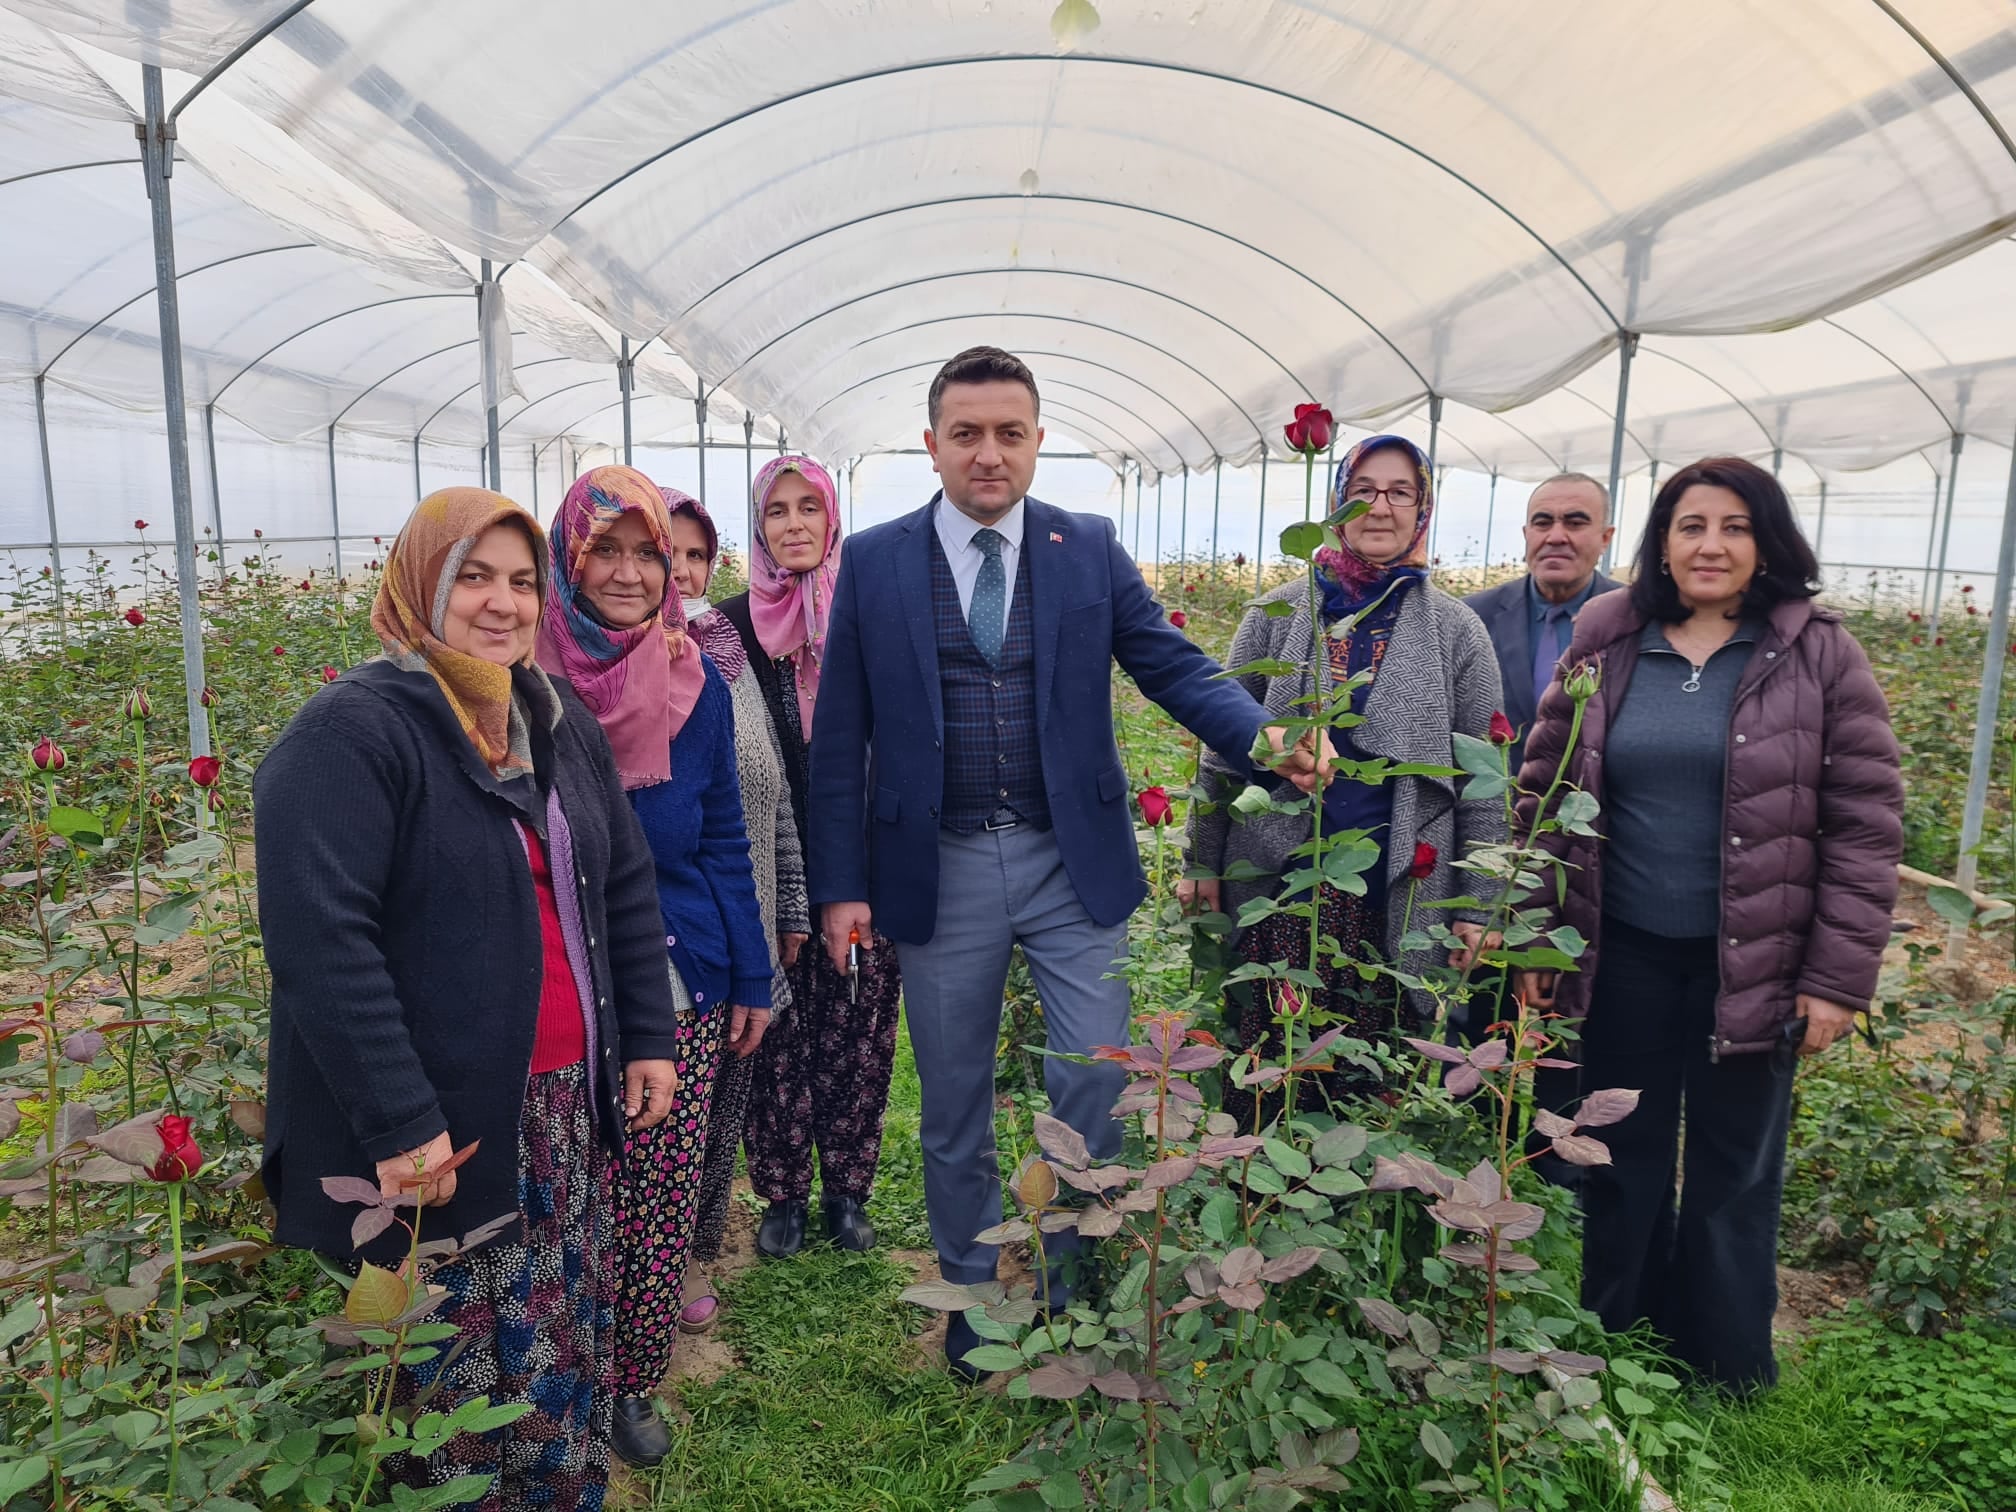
1714,1048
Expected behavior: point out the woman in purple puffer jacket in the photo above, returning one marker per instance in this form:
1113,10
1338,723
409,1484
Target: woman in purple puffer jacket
1736,908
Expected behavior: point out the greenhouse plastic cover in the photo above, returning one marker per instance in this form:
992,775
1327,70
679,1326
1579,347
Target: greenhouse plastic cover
1188,218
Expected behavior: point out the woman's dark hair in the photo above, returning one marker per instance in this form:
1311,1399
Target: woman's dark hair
1787,568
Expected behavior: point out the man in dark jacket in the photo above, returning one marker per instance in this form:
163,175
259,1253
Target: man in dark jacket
966,792
1531,618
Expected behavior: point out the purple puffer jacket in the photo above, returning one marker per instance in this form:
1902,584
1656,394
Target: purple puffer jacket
1812,815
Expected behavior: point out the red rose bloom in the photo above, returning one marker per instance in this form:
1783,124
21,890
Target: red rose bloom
1424,861
135,618
1502,733
48,756
1178,618
1312,429
205,770
1155,805
330,674
279,650
139,524
180,1158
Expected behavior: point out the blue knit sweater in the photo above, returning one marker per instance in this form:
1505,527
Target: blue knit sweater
706,890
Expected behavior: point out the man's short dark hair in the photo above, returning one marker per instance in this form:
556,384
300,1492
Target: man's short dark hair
983,364
1602,492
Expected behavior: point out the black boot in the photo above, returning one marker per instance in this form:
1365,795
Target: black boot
782,1232
846,1223
639,1436
959,1340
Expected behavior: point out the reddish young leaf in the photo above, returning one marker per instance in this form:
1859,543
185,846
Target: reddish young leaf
1384,1316
1287,1267
1057,1383
1167,1173
1606,1106
1462,1081
1580,1149
1240,1265
1061,1142
369,1223
1550,1125
1246,1298
1489,1055
1446,1053
352,1189
1569,1363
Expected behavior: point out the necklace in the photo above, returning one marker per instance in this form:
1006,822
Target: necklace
1695,669
1693,683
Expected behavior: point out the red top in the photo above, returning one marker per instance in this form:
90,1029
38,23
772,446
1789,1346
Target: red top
561,1039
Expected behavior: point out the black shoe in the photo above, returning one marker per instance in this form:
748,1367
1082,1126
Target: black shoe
782,1232
959,1341
639,1435
846,1223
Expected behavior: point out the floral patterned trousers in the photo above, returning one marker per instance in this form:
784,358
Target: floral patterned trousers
822,1078
657,1205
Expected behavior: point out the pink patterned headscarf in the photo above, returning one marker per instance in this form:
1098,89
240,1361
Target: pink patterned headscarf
633,681
788,608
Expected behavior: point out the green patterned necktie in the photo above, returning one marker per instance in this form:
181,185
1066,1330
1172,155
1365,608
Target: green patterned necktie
987,620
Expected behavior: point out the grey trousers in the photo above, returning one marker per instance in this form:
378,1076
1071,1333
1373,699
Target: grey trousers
997,889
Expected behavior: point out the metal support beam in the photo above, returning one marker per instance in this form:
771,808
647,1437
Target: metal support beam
1946,531
216,488
1217,498
535,480
1434,442
626,381
749,456
1988,707
1158,533
1137,511
488,358
1490,515
419,492
1183,527
700,423
49,503
1931,545
157,153
1260,551
1627,348
335,511
1820,527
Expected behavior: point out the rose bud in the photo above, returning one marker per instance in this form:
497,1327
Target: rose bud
214,799
180,1158
279,650
1178,618
330,674
1584,681
139,524
1312,429
48,756
208,698
1502,733
1155,806
1423,863
205,770
137,707
135,618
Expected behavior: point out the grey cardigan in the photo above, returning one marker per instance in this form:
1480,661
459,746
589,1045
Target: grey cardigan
1439,674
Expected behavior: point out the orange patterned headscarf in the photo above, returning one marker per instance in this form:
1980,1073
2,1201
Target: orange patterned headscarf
411,613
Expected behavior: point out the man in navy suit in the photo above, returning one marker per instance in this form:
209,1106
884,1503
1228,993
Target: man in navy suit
1531,618
966,791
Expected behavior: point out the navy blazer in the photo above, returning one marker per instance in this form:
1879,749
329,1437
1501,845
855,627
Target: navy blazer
1508,617
878,735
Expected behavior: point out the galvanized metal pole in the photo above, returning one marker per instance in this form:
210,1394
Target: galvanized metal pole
216,487
535,480
626,381
1434,442
1931,545
1158,532
1946,531
1988,706
157,155
49,502
1217,498
700,420
418,491
1260,551
1820,527
748,452
1777,460
1183,524
1490,515
488,358
335,512
1627,348
1138,506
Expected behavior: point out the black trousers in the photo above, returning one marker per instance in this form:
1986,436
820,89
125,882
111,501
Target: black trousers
1700,1265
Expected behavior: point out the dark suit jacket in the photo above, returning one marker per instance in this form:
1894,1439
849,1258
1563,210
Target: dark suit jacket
878,757
1508,618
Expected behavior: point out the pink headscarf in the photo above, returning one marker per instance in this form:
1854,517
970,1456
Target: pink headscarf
788,608
631,681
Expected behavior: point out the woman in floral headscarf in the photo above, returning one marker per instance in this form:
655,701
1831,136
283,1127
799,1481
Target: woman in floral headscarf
457,908
1424,668
617,632
822,1081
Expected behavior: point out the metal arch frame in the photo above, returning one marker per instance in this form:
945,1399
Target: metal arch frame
1079,388
376,304
1057,357
1938,409
918,325
189,273
218,69
1057,60
22,178
403,367
1715,383
1618,422
1072,199
911,283
531,404
1120,444
1947,67
467,389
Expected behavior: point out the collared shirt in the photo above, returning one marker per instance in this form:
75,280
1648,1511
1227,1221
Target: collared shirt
956,530
1537,609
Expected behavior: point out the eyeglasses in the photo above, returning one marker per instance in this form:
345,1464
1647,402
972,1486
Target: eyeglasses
643,556
1399,496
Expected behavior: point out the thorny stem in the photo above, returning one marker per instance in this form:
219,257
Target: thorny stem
1152,1292
175,1350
